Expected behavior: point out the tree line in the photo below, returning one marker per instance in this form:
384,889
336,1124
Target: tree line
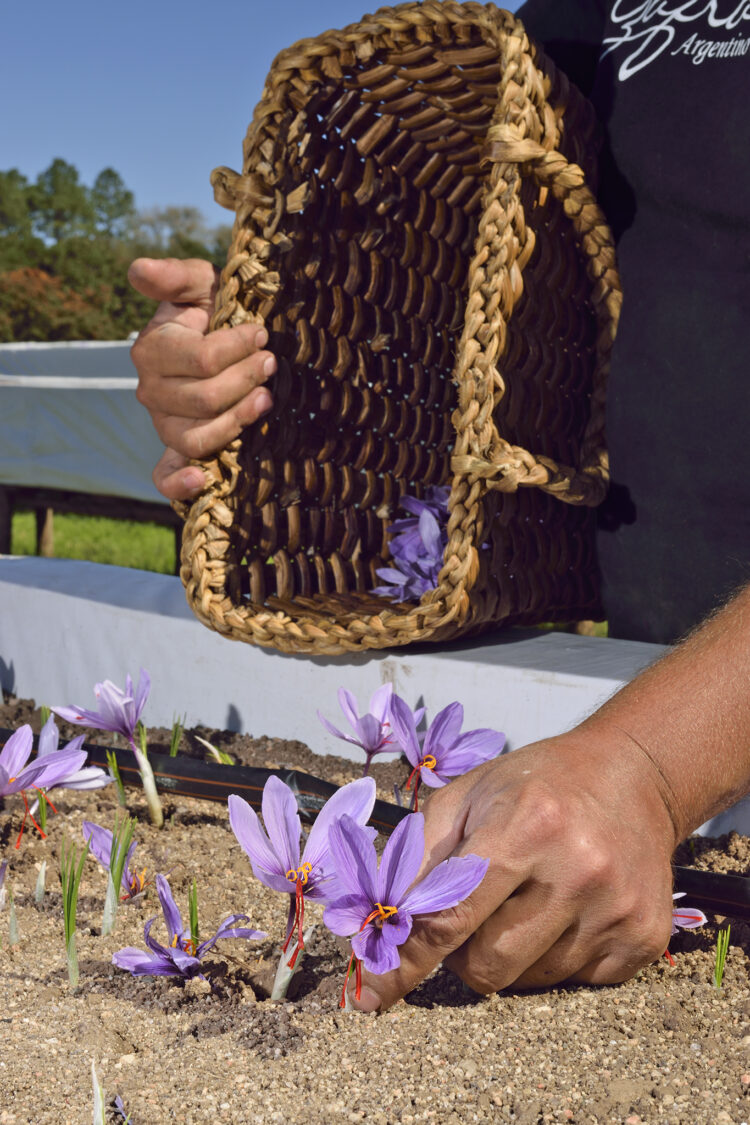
65,248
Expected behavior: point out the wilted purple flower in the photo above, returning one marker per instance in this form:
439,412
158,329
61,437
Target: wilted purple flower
90,777
100,840
119,711
686,919
275,857
16,776
378,904
182,957
372,732
417,546
444,752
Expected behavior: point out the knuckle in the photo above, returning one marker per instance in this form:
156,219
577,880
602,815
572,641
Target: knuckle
593,865
544,819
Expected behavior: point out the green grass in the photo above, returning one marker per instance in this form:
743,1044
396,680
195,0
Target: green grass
145,546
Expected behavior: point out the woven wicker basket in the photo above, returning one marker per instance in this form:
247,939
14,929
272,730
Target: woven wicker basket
414,227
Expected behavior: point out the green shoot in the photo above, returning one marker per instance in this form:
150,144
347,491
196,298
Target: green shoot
114,771
40,880
193,907
12,920
44,714
41,812
143,739
215,754
122,837
99,1097
70,878
722,948
178,726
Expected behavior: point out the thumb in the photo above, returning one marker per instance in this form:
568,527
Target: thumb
191,281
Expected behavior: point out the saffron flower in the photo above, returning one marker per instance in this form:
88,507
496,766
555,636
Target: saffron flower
16,776
686,919
89,777
443,753
379,903
120,712
183,955
100,840
417,547
275,857
372,732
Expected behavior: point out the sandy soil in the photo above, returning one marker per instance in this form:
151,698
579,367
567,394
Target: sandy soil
665,1047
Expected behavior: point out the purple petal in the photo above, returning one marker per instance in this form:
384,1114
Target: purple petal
471,749
370,733
252,839
429,529
172,916
401,860
154,945
282,823
81,717
100,842
446,885
141,695
378,948
380,702
49,737
50,770
16,751
228,929
687,919
356,799
90,777
348,705
116,708
335,730
405,729
443,731
354,858
431,778
142,964
346,915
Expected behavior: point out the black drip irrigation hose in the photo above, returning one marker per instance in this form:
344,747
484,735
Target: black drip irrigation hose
209,781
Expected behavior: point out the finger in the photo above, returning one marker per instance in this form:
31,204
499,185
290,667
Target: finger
176,479
201,438
525,943
190,397
178,348
187,282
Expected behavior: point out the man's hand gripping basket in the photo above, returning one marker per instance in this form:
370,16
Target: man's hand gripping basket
414,228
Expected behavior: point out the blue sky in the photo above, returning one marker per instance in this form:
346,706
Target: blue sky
160,91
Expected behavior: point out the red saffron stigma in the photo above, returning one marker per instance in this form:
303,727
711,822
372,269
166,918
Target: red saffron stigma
299,915
27,813
669,957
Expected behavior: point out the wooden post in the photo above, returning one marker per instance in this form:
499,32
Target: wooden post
6,515
45,532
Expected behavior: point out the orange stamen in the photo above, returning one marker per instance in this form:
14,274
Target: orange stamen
429,762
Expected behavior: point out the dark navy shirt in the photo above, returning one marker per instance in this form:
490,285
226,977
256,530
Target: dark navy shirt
670,82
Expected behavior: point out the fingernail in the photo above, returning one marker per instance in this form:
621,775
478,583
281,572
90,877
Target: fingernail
368,1001
269,366
261,338
194,480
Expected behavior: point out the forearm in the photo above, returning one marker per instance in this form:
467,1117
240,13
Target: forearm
690,715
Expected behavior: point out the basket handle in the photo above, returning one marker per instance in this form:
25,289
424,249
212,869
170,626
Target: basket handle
503,466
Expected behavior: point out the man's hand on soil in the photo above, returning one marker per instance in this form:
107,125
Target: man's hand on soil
579,884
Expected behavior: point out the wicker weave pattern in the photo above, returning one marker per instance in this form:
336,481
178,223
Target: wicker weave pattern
414,227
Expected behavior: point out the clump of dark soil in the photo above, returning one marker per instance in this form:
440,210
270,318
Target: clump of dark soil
665,1047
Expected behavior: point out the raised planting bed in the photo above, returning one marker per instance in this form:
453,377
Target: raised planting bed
666,1046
